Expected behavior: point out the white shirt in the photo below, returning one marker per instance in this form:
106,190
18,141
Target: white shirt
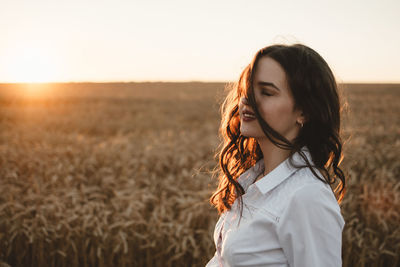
290,218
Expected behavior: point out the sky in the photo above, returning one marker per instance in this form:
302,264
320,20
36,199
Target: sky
185,40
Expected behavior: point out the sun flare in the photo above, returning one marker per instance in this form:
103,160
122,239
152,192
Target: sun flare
33,63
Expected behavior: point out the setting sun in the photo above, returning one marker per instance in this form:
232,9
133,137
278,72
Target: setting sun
32,63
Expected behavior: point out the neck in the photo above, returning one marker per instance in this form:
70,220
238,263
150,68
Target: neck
273,155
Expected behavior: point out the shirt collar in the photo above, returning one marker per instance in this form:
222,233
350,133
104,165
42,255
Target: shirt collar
282,172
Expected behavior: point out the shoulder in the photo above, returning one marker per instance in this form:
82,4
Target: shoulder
302,188
305,187
303,182
313,199
318,194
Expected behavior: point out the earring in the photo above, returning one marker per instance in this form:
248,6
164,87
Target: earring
301,124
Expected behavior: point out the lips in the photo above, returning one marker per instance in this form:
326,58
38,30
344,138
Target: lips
248,115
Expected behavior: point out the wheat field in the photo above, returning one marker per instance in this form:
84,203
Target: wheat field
120,174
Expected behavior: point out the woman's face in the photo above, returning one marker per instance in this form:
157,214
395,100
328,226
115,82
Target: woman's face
274,101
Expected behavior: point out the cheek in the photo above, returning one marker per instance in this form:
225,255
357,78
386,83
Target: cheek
277,114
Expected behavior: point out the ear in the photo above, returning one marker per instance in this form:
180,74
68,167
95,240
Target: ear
301,119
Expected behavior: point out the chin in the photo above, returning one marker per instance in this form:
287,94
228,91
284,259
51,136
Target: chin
247,133
251,130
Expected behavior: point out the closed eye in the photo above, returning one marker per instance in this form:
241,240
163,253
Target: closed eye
264,92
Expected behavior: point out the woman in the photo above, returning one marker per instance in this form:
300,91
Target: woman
278,164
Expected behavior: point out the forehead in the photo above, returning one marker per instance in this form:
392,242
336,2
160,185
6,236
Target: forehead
268,70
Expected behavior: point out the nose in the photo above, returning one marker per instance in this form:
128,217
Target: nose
244,101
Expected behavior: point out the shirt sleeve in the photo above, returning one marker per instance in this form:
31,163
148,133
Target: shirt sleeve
310,228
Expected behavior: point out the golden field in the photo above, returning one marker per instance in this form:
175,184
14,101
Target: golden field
120,174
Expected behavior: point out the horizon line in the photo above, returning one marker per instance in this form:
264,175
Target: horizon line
177,81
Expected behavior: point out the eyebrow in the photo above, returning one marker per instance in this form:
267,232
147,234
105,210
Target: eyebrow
261,83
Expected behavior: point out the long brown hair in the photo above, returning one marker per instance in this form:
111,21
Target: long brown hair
315,92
